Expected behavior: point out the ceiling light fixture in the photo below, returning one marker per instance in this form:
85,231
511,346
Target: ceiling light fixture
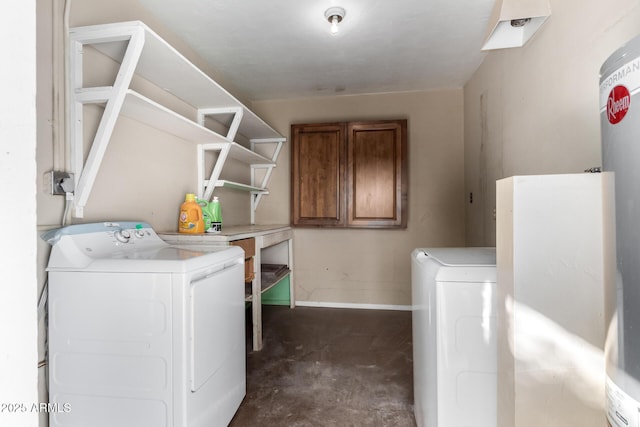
513,23
334,15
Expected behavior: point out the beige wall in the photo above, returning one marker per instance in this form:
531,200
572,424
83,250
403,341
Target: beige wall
534,110
373,266
145,173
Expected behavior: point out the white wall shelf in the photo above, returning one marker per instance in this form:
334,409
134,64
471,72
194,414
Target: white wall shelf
144,110
141,52
239,186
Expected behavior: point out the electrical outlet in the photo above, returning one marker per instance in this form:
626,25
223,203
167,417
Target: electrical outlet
57,179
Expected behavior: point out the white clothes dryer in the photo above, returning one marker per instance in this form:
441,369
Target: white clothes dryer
454,337
142,333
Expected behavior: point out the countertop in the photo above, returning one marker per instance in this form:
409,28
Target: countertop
234,232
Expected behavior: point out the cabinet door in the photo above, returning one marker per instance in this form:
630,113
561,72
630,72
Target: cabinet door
317,174
377,174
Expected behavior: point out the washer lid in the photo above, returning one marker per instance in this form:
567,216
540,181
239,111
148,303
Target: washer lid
463,257
129,247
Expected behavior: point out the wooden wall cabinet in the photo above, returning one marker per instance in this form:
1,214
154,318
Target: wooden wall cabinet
318,174
351,174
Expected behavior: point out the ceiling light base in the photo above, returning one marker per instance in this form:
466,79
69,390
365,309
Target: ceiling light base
332,12
334,15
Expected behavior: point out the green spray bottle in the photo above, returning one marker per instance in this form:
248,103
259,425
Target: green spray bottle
216,216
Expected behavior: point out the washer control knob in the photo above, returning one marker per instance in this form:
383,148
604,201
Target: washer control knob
122,236
139,231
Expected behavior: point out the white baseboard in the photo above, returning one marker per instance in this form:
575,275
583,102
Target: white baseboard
353,305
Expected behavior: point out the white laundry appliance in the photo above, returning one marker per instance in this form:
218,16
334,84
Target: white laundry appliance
454,336
142,333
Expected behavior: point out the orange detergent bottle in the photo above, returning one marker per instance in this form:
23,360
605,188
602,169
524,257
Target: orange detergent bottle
190,220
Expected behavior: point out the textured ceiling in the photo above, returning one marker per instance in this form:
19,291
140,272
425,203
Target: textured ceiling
283,48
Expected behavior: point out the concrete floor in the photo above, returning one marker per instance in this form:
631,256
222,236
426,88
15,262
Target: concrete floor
330,367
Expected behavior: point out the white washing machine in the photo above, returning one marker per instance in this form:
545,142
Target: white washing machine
454,337
142,333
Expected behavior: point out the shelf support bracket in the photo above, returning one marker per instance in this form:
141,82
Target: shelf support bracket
86,172
237,112
256,197
205,188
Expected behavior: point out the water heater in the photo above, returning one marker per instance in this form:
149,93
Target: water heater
620,126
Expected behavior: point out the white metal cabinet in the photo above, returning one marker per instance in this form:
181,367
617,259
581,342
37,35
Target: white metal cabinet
554,233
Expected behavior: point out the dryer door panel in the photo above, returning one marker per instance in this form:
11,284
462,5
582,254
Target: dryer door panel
216,323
